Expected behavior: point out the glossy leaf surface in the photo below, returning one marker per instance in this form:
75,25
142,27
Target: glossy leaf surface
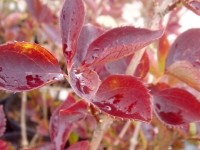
62,120
176,106
25,66
125,97
183,60
118,43
82,145
71,21
88,34
84,82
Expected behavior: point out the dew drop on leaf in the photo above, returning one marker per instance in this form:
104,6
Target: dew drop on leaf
108,108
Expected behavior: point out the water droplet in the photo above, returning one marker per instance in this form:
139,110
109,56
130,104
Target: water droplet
59,77
108,108
94,56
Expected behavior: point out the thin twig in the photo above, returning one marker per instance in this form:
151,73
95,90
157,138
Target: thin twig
122,133
134,138
104,124
134,62
23,120
44,103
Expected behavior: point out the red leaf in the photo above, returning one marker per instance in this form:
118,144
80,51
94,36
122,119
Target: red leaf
40,11
2,121
125,97
84,82
176,106
193,5
71,21
63,118
120,66
183,60
118,43
25,66
88,34
83,145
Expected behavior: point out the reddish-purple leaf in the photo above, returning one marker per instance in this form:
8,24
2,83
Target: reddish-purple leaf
63,118
120,66
84,82
118,43
88,34
83,145
25,66
183,60
71,21
193,5
125,97
176,106
40,11
2,121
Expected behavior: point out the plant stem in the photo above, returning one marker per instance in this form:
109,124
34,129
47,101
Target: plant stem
23,120
134,138
44,103
123,132
104,124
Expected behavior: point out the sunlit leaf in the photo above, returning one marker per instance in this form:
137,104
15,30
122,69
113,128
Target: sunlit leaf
88,34
84,82
25,66
118,43
176,106
125,97
193,5
183,60
63,118
71,21
82,145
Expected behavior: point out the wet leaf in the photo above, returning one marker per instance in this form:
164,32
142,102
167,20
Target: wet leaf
125,97
176,106
26,66
88,34
183,60
71,21
118,43
193,5
82,145
2,121
63,118
84,82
